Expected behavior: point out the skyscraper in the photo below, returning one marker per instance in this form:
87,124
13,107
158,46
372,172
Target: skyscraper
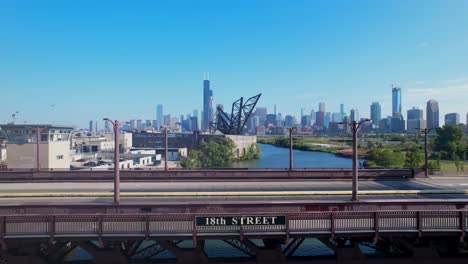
139,124
354,115
321,107
342,112
396,100
107,126
207,105
91,126
261,112
195,114
376,112
160,115
288,121
312,117
452,119
319,118
432,114
415,119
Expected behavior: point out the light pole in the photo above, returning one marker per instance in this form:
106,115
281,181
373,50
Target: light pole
116,125
165,148
426,166
355,126
38,146
290,148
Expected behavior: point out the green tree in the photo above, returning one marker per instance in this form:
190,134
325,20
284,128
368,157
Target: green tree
448,141
386,158
217,152
414,158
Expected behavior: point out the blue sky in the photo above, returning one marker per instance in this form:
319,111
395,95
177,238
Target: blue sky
118,59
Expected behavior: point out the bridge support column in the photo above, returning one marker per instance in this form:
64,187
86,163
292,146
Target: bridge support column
24,256
421,250
186,255
271,253
111,255
345,253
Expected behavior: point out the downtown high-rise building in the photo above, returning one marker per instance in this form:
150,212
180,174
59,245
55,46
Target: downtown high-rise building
354,115
107,126
452,119
337,117
288,121
397,122
432,114
195,114
342,112
396,100
321,107
207,106
159,115
139,124
91,126
415,119
312,117
261,113
376,113
132,124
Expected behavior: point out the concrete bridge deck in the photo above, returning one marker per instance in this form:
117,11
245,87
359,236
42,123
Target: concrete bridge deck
422,220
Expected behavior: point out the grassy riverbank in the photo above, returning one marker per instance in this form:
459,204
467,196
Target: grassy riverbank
306,144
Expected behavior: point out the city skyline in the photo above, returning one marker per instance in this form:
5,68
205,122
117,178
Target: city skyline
58,69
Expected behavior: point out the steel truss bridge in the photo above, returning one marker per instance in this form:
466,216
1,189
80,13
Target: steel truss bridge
431,231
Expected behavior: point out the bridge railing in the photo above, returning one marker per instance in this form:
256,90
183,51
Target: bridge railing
238,174
352,223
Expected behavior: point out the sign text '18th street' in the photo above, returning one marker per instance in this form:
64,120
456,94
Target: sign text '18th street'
240,220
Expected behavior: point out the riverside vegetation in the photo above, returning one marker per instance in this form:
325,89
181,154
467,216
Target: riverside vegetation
448,148
217,153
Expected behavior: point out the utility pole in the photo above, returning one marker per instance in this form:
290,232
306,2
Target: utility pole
290,149
38,144
426,152
355,126
116,125
355,162
166,151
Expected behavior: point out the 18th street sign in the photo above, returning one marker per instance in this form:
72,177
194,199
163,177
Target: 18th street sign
240,220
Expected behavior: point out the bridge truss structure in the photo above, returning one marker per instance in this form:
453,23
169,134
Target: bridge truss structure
233,124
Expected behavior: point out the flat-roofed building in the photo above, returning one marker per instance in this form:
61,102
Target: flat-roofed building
21,147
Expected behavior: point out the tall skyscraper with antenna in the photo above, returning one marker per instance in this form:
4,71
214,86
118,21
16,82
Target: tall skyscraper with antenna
207,104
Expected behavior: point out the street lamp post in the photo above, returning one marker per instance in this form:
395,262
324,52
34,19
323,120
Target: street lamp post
426,165
166,151
355,126
116,125
38,143
38,147
290,149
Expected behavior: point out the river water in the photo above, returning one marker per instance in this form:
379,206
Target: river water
271,157
276,157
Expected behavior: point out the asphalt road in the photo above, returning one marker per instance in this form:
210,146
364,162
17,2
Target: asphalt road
101,192
335,185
